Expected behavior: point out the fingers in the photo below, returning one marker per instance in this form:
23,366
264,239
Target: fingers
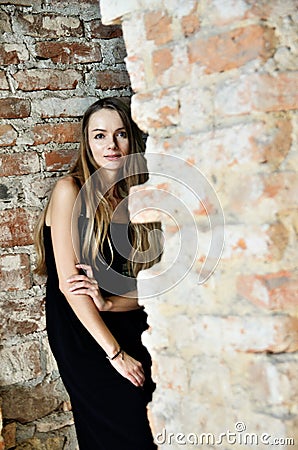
80,281
130,369
78,277
140,378
83,279
137,378
83,285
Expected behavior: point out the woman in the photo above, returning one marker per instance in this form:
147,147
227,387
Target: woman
94,322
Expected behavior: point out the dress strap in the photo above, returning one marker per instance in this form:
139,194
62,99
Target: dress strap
83,207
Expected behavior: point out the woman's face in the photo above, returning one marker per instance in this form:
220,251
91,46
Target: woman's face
108,139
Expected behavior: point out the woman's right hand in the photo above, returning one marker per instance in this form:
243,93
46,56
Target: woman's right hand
87,285
129,368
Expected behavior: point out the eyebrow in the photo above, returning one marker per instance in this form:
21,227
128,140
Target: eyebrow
101,129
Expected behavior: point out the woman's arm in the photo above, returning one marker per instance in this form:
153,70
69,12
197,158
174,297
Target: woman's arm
87,284
59,217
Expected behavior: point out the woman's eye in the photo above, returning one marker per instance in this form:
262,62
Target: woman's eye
122,134
99,136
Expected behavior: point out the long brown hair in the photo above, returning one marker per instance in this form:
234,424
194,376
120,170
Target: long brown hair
101,204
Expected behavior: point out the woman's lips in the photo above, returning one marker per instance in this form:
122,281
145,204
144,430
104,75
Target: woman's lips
112,157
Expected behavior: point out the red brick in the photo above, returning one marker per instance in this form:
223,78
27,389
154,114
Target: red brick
18,164
14,108
190,24
262,143
3,81
274,291
257,92
16,227
59,133
49,25
232,49
171,68
8,136
69,53
275,190
166,117
28,316
53,80
162,60
15,272
100,31
8,57
13,53
112,80
282,186
165,107
60,159
273,145
9,434
158,27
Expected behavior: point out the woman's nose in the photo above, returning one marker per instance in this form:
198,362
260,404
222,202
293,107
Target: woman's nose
112,143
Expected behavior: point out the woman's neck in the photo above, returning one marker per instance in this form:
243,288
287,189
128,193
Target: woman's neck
121,213
110,177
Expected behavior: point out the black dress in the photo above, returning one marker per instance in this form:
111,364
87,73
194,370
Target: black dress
109,411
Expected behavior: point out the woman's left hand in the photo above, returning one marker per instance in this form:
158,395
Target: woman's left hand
87,285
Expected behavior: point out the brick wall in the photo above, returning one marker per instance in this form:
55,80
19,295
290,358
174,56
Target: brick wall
216,84
56,57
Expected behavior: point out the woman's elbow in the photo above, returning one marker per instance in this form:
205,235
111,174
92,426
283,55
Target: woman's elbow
64,287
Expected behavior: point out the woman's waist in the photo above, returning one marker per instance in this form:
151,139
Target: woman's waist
126,302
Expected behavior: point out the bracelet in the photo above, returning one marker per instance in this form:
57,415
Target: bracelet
116,355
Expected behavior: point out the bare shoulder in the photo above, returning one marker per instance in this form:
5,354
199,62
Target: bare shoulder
63,197
66,186
65,190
